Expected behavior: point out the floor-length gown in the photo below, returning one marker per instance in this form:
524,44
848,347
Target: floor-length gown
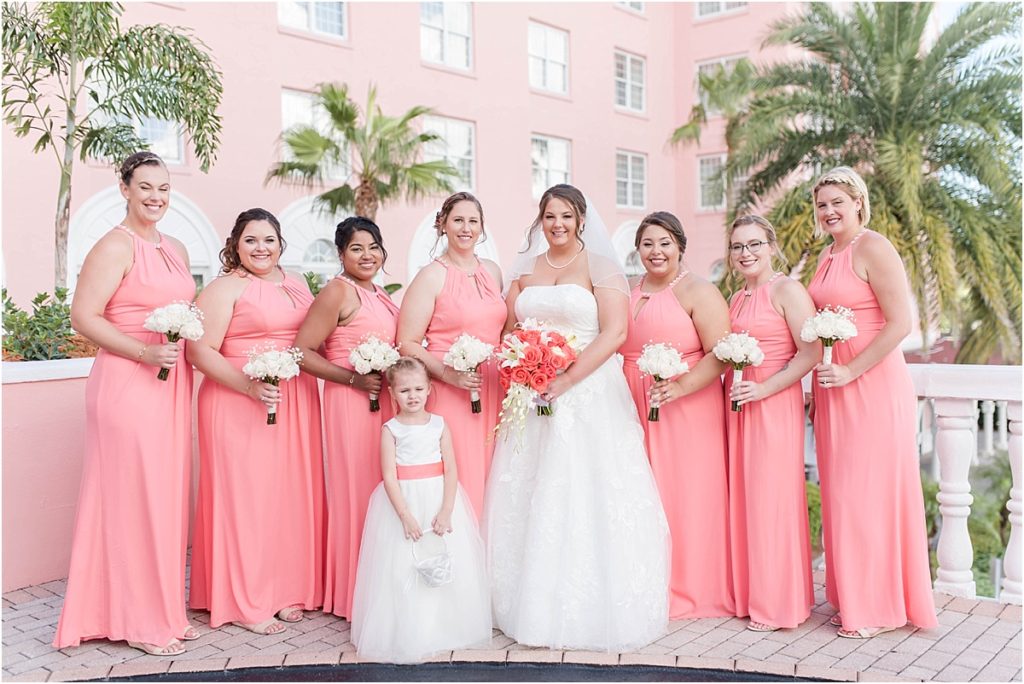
127,574
353,445
687,451
770,540
876,546
259,531
470,304
577,539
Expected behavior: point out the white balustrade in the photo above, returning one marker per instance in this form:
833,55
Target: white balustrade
988,409
1001,440
1011,592
955,448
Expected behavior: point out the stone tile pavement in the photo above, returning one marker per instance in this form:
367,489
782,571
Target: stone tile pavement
975,641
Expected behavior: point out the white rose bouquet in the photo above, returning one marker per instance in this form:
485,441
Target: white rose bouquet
739,350
661,361
830,326
176,321
272,365
466,354
373,355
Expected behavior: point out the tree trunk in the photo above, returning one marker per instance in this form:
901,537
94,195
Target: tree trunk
366,200
63,219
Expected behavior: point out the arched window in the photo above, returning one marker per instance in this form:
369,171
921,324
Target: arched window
623,240
717,271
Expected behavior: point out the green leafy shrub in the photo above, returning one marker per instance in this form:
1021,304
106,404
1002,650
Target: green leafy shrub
41,335
313,282
814,513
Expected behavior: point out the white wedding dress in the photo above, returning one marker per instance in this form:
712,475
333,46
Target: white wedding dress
577,540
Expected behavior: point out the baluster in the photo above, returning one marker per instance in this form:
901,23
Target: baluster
988,408
1001,440
955,445
1012,558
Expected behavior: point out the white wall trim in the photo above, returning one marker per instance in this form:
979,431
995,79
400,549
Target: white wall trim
13,372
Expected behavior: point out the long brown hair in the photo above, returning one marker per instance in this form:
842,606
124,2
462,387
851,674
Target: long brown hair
229,255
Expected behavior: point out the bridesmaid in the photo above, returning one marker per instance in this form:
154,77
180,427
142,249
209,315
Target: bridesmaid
349,308
459,293
258,551
687,445
876,547
127,574
770,540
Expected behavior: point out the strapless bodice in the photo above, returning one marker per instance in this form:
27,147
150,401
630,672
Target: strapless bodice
568,308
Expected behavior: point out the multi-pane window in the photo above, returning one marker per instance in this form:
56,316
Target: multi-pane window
635,6
706,9
549,58
710,68
712,182
163,137
456,146
549,162
319,17
630,179
446,33
299,108
630,77
321,257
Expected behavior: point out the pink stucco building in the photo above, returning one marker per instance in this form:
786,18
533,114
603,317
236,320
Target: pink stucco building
526,95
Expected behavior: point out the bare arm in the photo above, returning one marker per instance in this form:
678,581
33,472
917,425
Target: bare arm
443,520
887,277
710,315
510,302
105,266
495,271
389,470
613,322
414,319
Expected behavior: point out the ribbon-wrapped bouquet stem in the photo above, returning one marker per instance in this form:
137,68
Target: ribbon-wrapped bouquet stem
830,326
661,361
373,355
466,354
176,321
272,365
739,350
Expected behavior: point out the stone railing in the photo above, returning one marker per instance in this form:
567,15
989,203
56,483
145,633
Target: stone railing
954,392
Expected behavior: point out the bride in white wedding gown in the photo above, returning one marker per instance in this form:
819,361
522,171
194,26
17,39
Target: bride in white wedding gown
576,534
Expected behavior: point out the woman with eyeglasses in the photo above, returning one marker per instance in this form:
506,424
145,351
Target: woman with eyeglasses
686,445
865,426
769,536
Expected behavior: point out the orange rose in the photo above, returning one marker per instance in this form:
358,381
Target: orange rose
539,381
558,362
520,376
531,357
530,336
504,382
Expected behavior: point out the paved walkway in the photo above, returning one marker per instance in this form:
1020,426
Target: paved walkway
975,641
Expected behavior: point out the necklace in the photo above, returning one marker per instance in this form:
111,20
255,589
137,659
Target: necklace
462,270
750,292
566,264
647,295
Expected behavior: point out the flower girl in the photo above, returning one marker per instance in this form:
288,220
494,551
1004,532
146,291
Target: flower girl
421,587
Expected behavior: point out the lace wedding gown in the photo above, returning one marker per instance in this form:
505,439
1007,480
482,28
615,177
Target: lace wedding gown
576,535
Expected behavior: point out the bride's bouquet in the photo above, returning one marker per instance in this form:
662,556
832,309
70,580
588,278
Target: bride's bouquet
466,354
830,326
373,355
661,361
176,321
739,350
272,365
530,358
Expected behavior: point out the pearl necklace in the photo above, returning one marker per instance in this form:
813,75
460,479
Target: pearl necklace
648,295
566,264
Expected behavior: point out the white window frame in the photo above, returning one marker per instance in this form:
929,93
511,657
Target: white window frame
285,18
725,62
701,204
630,181
440,125
446,32
561,176
702,10
630,59
178,158
318,118
637,7
547,59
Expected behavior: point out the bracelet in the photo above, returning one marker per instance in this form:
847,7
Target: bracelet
142,352
249,387
352,378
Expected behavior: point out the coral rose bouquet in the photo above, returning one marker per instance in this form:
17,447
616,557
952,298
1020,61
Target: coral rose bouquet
661,361
530,357
272,365
830,326
373,355
739,350
466,354
176,321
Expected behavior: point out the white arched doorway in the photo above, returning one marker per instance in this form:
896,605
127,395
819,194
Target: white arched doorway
422,249
625,236
309,233
184,220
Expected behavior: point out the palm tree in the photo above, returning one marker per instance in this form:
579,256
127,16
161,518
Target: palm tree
386,151
935,129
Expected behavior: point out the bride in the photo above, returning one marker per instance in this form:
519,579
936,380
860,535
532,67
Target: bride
577,538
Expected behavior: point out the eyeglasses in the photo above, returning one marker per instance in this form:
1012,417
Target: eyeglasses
752,247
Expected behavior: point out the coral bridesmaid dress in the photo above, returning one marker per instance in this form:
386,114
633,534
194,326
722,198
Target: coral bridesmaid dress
876,546
688,456
470,304
353,446
127,575
769,536
259,531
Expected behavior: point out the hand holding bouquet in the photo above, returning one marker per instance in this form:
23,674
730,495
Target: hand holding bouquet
739,350
177,320
272,365
830,326
661,361
466,354
373,355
